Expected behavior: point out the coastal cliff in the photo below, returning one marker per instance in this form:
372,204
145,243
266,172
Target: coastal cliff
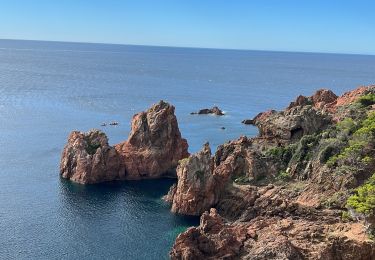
303,189
152,150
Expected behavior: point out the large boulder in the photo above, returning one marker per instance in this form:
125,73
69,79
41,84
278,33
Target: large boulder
292,123
87,158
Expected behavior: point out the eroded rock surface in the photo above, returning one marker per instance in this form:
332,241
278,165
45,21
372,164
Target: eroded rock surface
272,238
196,190
292,123
152,150
87,158
154,146
282,194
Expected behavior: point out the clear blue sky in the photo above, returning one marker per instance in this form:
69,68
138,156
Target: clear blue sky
344,26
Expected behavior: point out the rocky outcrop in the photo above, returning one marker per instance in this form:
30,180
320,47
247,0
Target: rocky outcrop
196,190
272,238
87,158
152,150
202,179
214,110
319,100
282,194
154,146
292,123
211,240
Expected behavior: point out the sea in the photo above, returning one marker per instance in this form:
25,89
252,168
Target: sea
48,89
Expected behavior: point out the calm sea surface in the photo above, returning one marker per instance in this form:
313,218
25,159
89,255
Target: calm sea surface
48,89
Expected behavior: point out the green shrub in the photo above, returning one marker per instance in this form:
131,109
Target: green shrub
345,216
332,162
367,100
91,148
200,175
283,176
363,201
242,180
283,153
347,126
358,145
337,200
328,152
305,148
367,160
183,161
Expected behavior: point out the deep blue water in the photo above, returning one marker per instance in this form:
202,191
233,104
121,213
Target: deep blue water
48,89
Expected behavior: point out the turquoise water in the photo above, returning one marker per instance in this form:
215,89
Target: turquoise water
48,89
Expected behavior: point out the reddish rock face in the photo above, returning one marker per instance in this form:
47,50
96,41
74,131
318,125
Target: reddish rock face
197,189
153,150
211,240
154,146
321,98
87,158
273,237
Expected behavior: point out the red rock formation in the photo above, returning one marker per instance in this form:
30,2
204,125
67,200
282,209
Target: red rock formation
153,150
273,237
349,97
87,158
202,180
292,123
197,189
321,98
154,146
211,240
278,197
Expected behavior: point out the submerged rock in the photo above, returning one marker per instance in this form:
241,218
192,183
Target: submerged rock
152,150
87,158
214,110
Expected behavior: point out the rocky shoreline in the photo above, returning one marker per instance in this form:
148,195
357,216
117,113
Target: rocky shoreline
302,189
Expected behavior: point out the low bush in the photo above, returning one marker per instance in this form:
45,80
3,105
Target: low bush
363,199
367,100
283,176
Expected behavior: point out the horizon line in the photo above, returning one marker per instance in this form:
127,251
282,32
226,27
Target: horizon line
188,47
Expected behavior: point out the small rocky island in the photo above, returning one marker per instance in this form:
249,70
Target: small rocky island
304,188
153,149
214,111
